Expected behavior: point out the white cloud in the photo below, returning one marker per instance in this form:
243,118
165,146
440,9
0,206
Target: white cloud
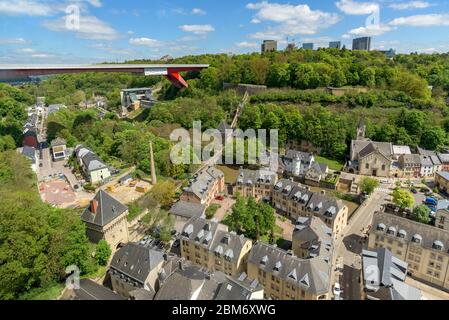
198,11
357,8
25,7
371,30
110,49
197,28
90,27
95,3
42,55
290,19
145,42
26,50
13,41
255,21
422,20
410,5
246,44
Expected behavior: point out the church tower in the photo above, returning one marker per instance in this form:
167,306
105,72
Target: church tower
361,130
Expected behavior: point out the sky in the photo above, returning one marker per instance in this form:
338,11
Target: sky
89,31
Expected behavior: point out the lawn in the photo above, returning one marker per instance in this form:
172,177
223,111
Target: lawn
51,292
212,210
333,164
229,173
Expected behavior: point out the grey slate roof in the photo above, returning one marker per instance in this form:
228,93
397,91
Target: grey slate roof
214,237
261,176
203,181
136,262
425,152
183,283
428,234
382,269
108,209
443,174
435,160
316,236
386,148
90,160
90,290
309,274
237,288
188,209
426,161
305,157
30,153
319,204
444,157
411,159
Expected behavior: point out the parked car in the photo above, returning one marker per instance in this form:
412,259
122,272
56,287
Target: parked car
219,198
431,201
337,290
414,191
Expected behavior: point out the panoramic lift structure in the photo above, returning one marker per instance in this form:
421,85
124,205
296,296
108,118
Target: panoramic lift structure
171,71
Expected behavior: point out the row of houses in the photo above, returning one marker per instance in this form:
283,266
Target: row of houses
425,248
216,264
303,165
30,144
383,159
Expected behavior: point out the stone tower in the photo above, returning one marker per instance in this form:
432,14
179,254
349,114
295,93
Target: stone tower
361,130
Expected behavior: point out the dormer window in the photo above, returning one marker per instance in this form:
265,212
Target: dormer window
277,266
402,234
381,227
264,260
391,231
417,238
437,245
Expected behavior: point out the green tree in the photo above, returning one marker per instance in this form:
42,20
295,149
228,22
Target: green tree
403,198
368,185
102,252
421,213
163,192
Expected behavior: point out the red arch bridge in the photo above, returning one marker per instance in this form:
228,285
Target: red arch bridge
170,71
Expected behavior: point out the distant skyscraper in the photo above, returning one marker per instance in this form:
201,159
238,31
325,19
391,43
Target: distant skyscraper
306,46
269,46
335,44
363,43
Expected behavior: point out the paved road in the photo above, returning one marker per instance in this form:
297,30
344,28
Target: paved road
348,246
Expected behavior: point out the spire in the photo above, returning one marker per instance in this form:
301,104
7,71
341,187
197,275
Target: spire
153,170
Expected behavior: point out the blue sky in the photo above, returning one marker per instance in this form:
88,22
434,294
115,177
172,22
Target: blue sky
44,31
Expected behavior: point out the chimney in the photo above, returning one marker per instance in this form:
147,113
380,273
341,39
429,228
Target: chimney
153,170
323,192
94,206
181,264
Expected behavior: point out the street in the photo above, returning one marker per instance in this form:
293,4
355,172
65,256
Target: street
348,245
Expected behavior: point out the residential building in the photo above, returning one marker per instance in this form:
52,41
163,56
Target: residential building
58,149
312,238
410,165
106,218
183,211
255,183
384,276
442,181
93,168
316,173
90,290
335,44
269,46
208,244
241,288
444,159
400,150
135,266
423,247
442,215
287,277
427,167
362,43
31,154
297,163
307,46
437,165
55,108
136,98
424,152
30,137
389,54
190,282
204,186
370,158
298,201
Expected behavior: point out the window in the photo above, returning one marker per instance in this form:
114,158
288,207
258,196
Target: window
367,166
